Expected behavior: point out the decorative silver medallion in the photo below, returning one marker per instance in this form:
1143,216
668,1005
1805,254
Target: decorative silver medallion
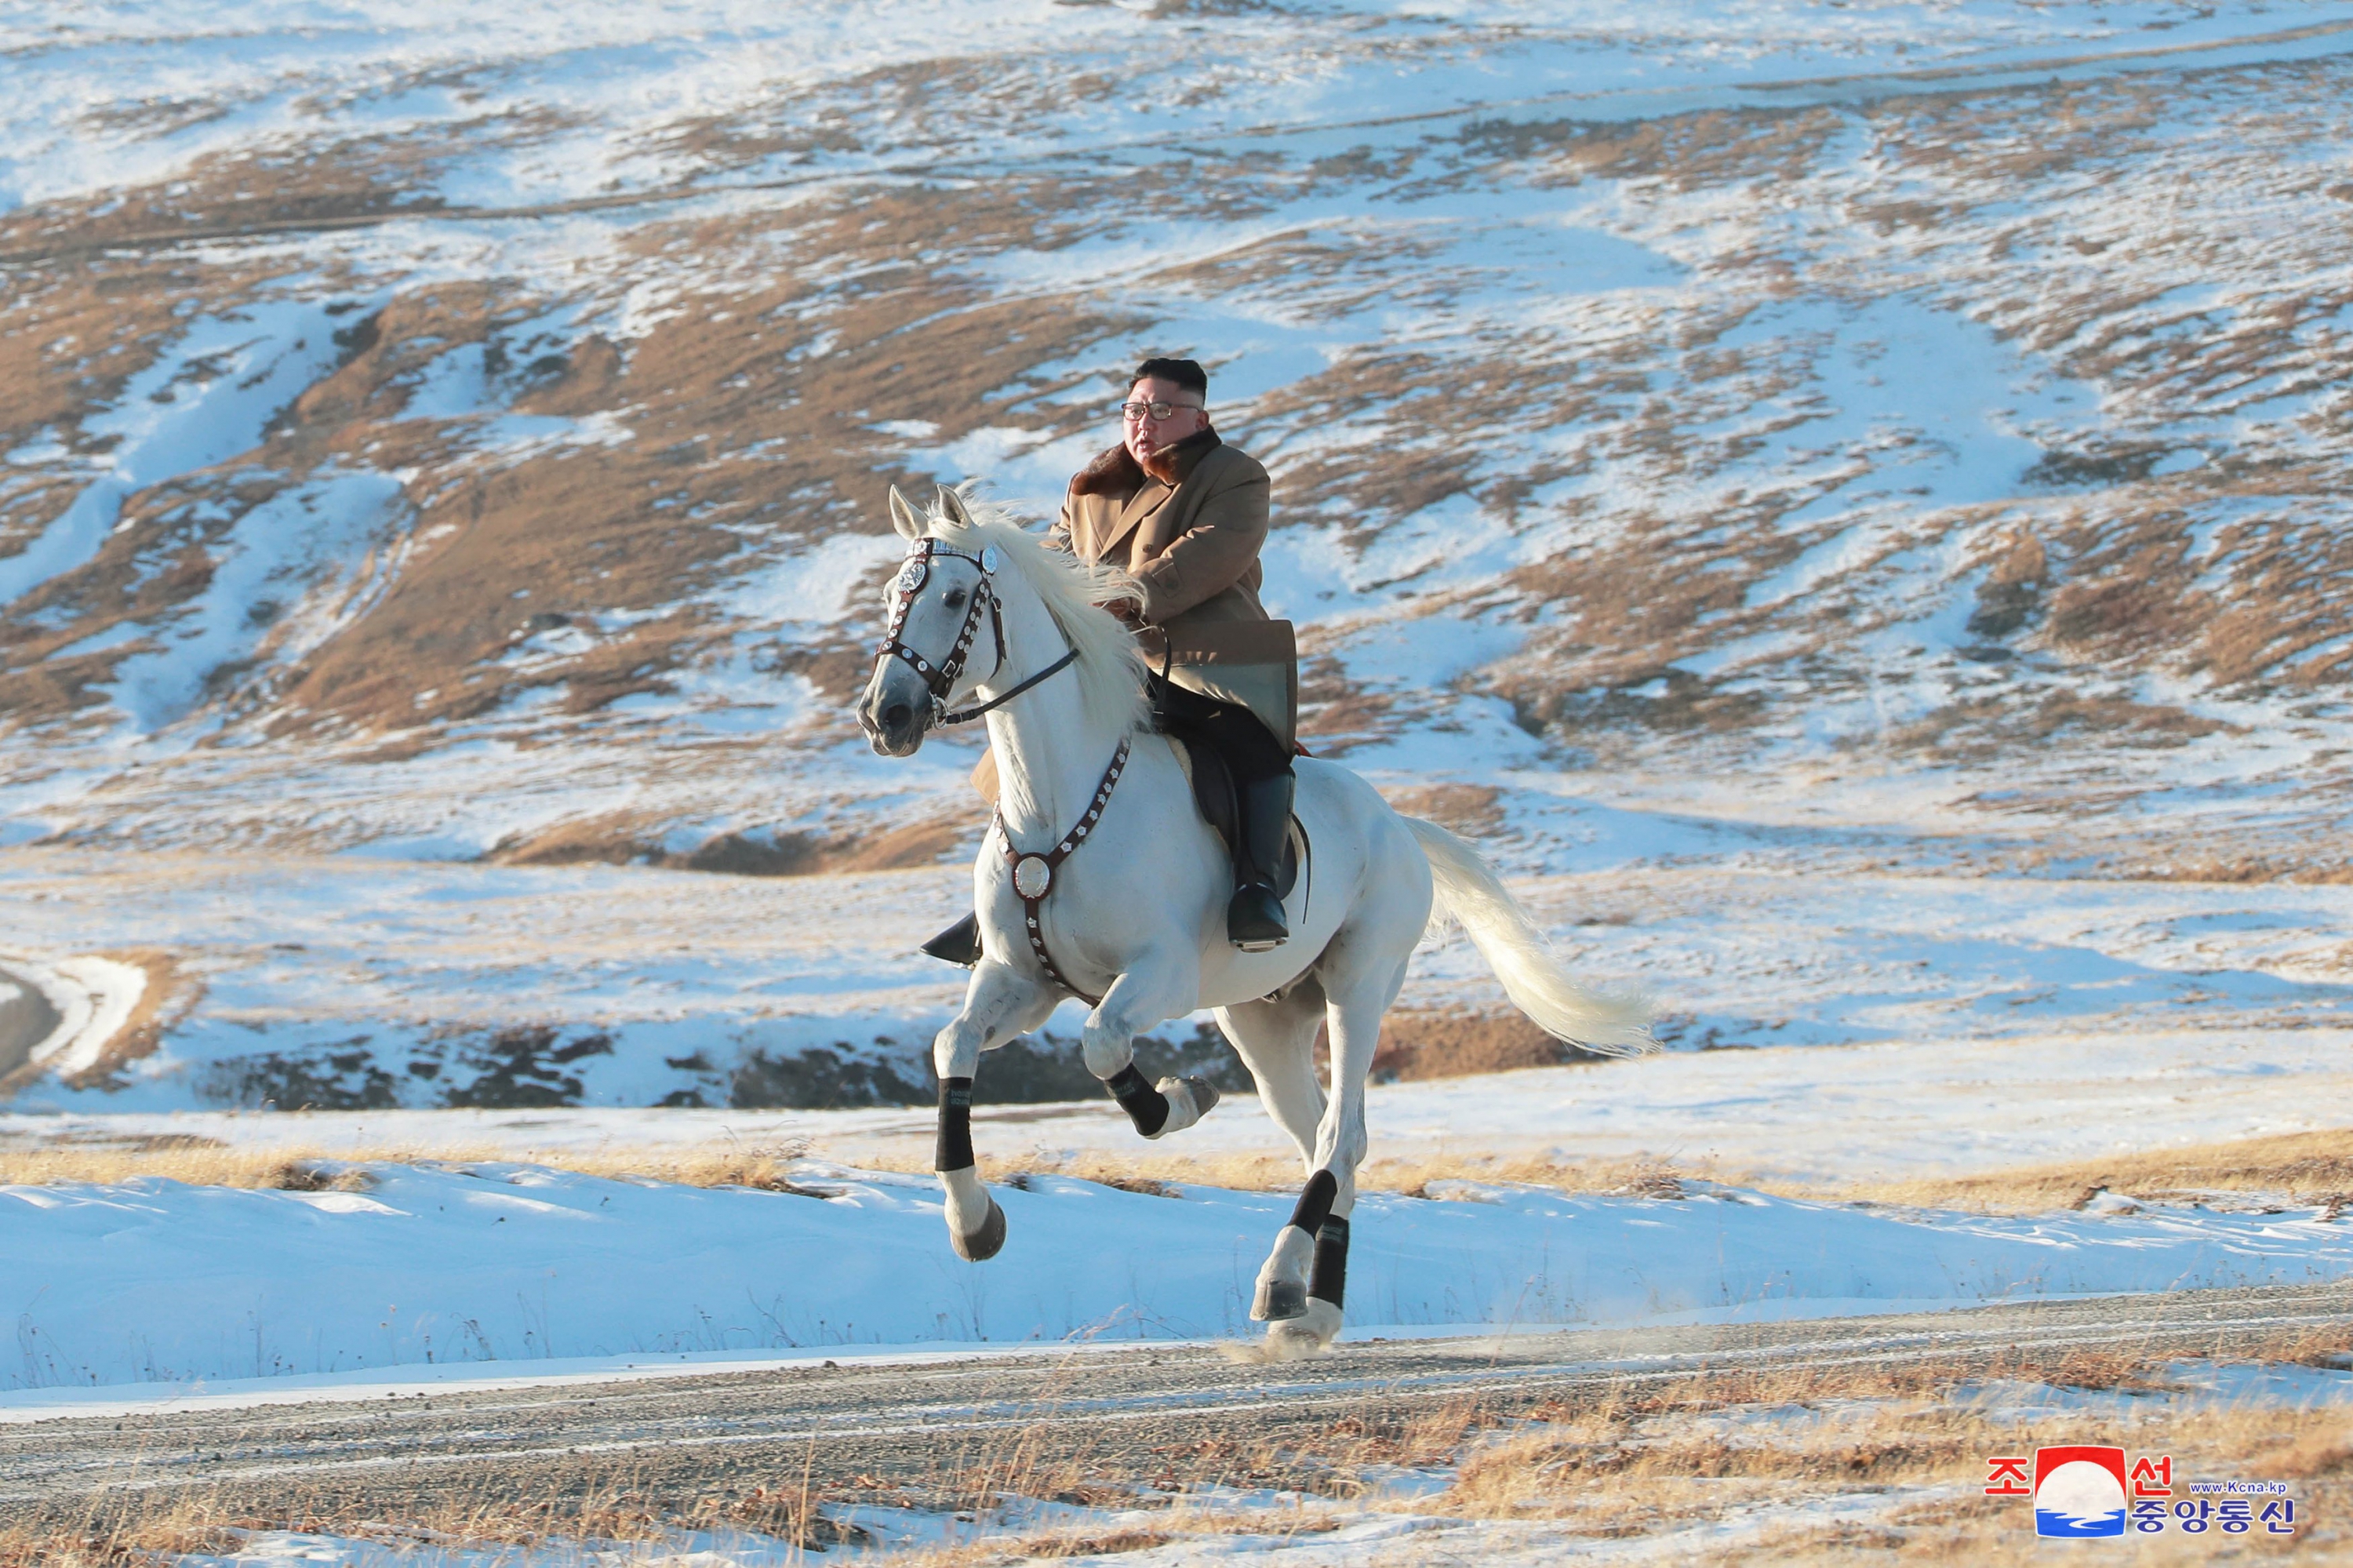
1032,876
990,559
911,574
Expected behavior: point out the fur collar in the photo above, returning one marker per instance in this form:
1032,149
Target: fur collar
1115,472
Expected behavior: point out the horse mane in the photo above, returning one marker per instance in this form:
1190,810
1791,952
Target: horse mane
1110,667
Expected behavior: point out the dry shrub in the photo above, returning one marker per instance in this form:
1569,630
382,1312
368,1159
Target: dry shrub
1094,1545
1181,1523
1418,1046
144,1529
300,1176
637,841
1635,1459
2313,1455
207,1162
1623,1473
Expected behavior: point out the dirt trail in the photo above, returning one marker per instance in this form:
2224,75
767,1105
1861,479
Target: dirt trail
924,1433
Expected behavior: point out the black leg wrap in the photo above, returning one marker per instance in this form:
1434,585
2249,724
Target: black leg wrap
955,1125
1145,1106
1315,1202
1328,1281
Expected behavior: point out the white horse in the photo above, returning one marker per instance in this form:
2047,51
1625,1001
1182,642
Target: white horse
1101,880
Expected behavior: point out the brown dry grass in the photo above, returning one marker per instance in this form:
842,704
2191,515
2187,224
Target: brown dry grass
2311,1169
2314,1168
612,1512
624,841
1926,1458
1648,1459
1252,1172
204,1163
1417,1045
1741,1451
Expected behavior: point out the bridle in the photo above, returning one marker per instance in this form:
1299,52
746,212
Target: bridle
1032,874
941,678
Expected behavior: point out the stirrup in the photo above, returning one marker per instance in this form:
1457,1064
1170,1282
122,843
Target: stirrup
1255,921
959,944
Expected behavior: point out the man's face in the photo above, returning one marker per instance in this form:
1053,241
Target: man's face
1145,435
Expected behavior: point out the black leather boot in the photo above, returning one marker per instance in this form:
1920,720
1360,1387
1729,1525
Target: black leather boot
959,944
1255,920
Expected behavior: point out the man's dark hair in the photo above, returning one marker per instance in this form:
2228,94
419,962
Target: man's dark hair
1185,375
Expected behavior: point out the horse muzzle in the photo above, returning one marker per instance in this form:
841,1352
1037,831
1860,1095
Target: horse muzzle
895,714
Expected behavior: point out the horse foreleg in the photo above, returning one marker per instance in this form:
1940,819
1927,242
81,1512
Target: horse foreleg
998,1005
1158,987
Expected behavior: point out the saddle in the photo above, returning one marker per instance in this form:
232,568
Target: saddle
1220,804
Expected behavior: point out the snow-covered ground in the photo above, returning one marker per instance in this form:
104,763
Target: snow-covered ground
155,1281
1846,502
1829,1118
354,983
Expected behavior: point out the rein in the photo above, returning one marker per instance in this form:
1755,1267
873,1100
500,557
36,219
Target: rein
941,679
965,715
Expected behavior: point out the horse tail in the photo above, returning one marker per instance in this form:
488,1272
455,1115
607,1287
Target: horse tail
1469,890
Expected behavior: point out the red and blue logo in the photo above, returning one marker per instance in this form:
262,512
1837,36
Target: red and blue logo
2079,1492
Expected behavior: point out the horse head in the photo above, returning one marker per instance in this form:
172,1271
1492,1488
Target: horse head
939,598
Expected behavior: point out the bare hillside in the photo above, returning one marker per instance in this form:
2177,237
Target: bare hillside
1873,438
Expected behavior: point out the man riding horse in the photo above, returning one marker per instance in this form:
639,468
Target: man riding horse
1100,878
1184,514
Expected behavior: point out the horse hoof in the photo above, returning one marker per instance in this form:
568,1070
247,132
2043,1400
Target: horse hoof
1188,1100
1310,1333
1278,1300
983,1242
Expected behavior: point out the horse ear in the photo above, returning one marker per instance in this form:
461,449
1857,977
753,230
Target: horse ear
952,504
904,518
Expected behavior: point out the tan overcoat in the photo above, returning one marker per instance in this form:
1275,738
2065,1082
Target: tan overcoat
1190,535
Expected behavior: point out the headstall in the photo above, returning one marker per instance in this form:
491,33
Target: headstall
1033,874
941,679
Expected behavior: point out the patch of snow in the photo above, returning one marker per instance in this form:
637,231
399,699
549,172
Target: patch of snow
93,999
205,400
285,557
502,1261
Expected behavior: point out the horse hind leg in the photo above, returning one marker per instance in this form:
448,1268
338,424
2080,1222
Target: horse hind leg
1302,1286
1276,1040
1284,1283
1354,1015
1323,1306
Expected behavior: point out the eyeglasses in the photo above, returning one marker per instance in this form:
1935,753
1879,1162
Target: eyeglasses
1134,412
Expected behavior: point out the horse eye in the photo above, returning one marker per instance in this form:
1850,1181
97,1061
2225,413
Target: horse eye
955,599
